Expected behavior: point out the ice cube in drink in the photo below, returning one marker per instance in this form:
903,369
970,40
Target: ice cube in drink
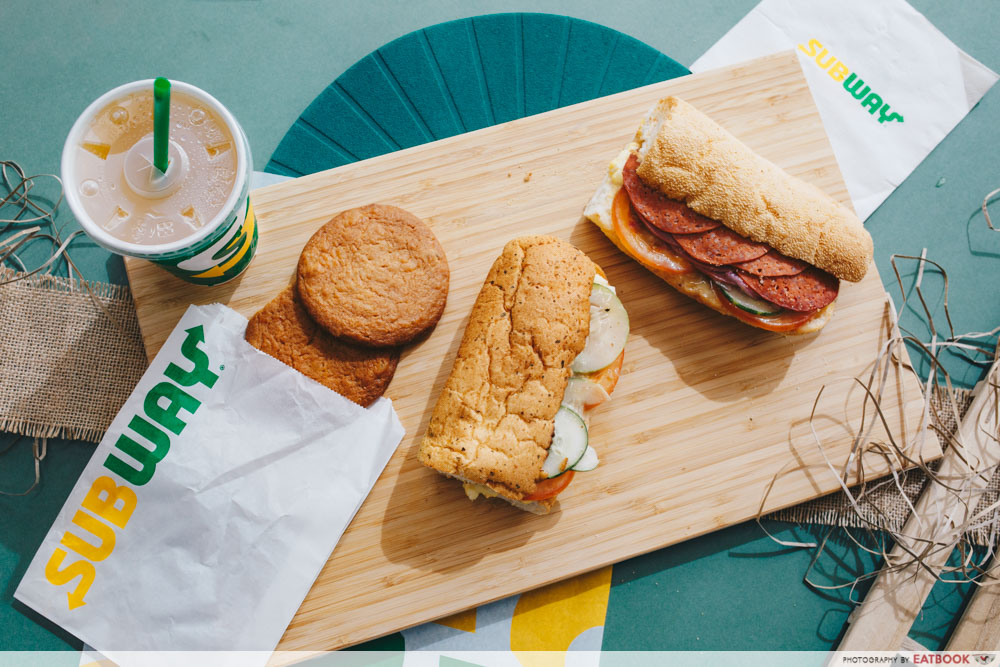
122,191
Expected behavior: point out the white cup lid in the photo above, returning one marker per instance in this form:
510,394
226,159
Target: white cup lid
143,176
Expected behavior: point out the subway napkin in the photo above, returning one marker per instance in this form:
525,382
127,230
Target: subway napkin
889,85
211,504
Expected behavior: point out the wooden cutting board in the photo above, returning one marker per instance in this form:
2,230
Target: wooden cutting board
708,411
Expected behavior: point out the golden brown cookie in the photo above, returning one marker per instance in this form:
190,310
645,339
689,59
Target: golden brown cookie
375,275
284,330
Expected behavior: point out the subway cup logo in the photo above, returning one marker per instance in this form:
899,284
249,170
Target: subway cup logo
219,257
139,214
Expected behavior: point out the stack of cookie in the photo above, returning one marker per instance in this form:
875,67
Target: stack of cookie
368,282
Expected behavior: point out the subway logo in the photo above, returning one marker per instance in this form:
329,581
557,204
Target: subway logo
852,83
111,499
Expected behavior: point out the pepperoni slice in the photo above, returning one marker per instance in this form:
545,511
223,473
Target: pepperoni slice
659,210
810,290
720,246
772,264
642,244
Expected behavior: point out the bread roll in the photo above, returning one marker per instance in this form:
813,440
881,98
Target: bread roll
694,160
494,419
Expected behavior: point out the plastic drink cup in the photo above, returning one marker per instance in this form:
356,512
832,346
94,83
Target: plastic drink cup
195,220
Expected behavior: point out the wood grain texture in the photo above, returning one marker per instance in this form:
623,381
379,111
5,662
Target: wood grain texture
707,411
891,605
979,627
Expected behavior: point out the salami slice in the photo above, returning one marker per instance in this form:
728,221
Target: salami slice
720,246
772,264
659,210
810,290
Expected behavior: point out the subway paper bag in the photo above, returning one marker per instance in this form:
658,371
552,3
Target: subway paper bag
212,502
888,84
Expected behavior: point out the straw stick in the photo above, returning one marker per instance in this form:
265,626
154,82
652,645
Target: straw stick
932,531
161,123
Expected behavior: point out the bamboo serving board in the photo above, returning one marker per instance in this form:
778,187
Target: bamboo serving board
706,414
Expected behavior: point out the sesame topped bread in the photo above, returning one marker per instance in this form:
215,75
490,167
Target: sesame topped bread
693,159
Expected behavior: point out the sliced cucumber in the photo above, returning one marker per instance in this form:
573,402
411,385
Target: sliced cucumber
608,331
581,392
588,461
744,301
601,280
569,443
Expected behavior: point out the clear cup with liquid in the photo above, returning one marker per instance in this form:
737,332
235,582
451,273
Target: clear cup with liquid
195,219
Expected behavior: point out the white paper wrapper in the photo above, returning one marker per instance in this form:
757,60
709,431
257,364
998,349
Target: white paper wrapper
262,470
909,67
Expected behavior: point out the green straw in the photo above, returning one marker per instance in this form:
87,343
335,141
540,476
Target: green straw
161,122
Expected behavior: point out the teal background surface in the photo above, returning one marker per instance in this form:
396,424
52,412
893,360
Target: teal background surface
266,61
461,76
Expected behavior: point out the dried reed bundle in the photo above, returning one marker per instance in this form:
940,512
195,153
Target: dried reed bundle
26,219
934,543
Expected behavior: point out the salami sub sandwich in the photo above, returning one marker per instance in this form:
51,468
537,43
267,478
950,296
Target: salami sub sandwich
701,210
544,346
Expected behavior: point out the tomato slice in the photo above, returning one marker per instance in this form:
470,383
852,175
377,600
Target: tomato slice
784,321
551,487
607,377
641,242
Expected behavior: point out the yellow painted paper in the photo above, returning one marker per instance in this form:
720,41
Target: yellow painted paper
551,617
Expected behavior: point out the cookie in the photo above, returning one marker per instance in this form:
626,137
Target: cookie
284,330
375,275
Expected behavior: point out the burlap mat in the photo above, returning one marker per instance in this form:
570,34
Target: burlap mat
66,369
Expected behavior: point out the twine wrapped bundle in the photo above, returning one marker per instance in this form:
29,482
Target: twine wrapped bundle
915,520
883,501
70,350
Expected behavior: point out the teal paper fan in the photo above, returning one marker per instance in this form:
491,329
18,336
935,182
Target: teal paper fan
460,76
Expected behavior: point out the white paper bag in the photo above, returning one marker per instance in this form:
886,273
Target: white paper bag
888,84
212,502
